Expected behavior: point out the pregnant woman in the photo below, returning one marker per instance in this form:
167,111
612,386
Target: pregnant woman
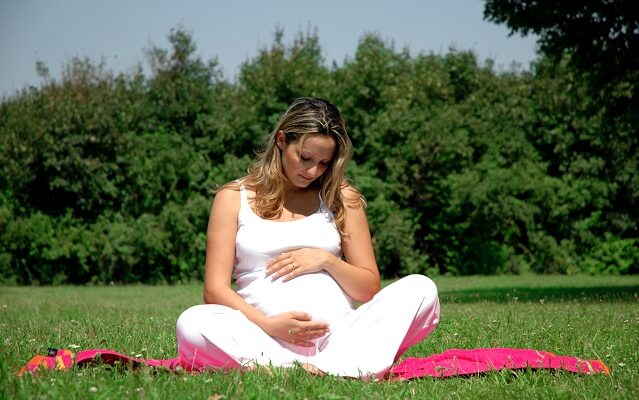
294,236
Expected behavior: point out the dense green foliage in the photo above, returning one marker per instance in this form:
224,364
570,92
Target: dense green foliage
466,170
601,36
599,41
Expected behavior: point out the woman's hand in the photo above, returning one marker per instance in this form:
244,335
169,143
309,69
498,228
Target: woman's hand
295,327
294,263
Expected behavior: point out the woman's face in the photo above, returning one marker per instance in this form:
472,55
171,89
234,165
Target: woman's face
305,162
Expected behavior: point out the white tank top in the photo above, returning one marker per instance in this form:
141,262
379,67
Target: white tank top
259,240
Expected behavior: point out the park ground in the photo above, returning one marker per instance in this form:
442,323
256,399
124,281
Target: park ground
584,316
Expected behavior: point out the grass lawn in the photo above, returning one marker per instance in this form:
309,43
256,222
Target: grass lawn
589,317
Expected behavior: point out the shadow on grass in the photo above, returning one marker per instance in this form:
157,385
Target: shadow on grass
550,294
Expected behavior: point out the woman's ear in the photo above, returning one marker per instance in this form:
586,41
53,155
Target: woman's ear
280,139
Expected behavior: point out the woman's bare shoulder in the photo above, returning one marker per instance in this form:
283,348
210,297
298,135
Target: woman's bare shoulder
228,196
352,197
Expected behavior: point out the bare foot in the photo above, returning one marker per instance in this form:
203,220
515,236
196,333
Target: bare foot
312,369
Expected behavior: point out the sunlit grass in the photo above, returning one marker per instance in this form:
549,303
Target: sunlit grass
589,317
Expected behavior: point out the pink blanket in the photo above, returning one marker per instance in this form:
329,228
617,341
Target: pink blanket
459,362
456,362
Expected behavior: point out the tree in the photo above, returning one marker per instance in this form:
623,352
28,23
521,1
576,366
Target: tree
601,36
599,41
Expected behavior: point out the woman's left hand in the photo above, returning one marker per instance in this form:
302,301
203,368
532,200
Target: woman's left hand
294,263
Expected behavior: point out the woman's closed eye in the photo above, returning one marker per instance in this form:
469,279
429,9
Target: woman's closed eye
306,158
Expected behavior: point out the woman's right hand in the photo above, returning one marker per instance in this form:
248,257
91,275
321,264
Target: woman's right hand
295,327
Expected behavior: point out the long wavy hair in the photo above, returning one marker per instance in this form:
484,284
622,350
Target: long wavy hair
306,117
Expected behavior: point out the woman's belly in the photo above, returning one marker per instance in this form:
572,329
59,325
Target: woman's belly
317,294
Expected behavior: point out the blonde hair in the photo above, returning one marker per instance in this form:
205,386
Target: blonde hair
305,117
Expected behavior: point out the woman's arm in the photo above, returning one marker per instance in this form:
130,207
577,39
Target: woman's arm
294,327
358,275
220,251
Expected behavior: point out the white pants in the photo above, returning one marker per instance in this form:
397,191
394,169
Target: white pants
365,343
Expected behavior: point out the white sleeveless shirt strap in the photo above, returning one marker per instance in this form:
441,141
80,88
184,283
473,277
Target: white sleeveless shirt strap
245,207
322,205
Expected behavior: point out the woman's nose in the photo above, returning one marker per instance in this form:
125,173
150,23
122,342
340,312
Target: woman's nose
312,170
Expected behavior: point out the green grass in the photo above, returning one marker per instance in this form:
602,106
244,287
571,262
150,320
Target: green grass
590,317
